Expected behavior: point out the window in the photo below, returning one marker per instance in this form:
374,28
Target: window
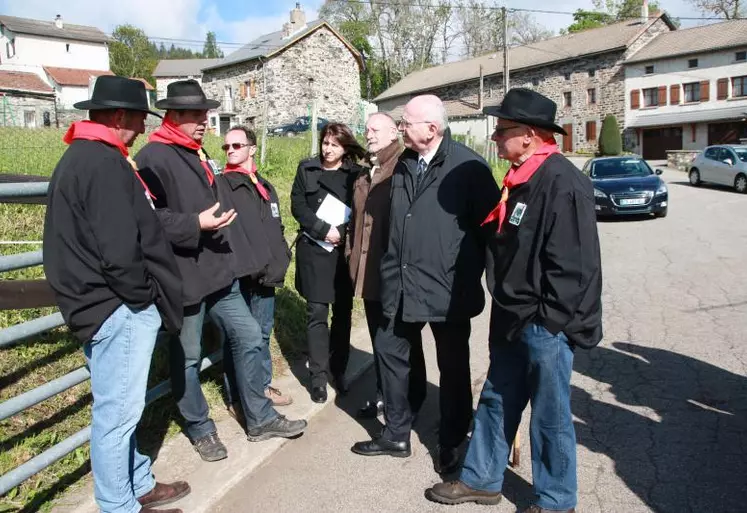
591,130
649,70
716,153
739,87
567,99
692,92
591,96
740,56
67,47
651,97
252,88
692,63
535,82
592,72
10,48
567,76
29,119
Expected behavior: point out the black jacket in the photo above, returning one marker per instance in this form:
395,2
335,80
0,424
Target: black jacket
546,263
317,271
436,249
103,245
178,181
258,245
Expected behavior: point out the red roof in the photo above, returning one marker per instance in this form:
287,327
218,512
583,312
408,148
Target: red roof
74,77
23,81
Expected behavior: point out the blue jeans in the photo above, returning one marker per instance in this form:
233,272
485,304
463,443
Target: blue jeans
537,369
118,358
261,301
231,315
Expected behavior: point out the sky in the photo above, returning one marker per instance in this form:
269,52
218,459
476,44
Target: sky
236,22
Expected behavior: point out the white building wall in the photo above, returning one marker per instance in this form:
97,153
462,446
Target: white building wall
40,51
67,96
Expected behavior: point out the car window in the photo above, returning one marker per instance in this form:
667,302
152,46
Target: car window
726,153
619,168
741,154
713,153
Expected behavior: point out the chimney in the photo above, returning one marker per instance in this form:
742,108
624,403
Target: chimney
644,11
58,21
297,21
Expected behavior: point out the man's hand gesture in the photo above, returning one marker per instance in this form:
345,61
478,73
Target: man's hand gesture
209,221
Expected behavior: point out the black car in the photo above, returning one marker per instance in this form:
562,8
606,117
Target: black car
300,125
627,186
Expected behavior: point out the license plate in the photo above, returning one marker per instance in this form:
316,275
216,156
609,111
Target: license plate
632,201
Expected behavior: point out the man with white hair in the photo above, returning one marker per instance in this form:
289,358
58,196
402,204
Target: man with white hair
430,273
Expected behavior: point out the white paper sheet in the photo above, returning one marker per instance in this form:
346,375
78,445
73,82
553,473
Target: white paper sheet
334,212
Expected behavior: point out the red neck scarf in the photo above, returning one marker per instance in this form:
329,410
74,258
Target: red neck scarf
252,174
518,175
92,131
169,133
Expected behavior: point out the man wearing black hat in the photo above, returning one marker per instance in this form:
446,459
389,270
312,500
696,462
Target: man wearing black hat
546,283
178,171
116,282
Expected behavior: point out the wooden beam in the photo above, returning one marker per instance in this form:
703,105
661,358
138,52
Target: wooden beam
20,294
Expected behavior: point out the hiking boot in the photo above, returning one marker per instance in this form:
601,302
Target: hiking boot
456,492
164,494
210,448
277,397
278,427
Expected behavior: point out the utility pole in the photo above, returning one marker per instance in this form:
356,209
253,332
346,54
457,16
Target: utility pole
314,133
504,13
264,117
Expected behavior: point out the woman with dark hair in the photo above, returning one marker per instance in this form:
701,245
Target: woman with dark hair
322,276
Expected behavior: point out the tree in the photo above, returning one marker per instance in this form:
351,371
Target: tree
211,50
607,12
524,30
727,9
131,54
610,140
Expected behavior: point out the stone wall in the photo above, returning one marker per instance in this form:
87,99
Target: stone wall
681,159
602,73
13,113
319,65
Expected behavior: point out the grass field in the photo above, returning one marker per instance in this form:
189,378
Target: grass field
27,365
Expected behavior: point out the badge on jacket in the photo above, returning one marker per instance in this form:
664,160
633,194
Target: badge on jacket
214,167
275,210
517,214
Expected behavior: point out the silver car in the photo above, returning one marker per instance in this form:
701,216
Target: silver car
725,164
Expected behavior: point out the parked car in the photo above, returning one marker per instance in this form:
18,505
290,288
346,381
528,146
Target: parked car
300,125
723,164
626,186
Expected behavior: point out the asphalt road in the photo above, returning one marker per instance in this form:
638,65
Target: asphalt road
660,406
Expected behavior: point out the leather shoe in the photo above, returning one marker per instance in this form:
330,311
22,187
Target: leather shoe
319,394
456,492
371,410
382,447
536,509
448,460
165,494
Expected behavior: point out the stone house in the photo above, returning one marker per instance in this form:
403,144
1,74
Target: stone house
582,72
279,76
66,58
688,89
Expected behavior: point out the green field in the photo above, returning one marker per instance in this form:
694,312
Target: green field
29,364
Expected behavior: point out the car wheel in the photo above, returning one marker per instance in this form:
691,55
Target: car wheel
740,183
694,176
663,213
290,134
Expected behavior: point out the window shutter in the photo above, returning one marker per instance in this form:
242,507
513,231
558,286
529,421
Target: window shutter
253,88
722,89
662,95
635,99
242,90
674,94
704,90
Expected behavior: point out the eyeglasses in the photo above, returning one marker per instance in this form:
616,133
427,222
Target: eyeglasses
235,146
500,131
408,124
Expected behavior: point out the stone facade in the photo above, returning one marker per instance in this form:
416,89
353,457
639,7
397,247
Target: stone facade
604,74
681,159
27,110
319,66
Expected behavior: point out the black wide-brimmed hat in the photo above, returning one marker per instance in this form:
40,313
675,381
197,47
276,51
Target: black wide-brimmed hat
112,92
186,95
528,108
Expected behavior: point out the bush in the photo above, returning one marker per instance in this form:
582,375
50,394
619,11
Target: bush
610,140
